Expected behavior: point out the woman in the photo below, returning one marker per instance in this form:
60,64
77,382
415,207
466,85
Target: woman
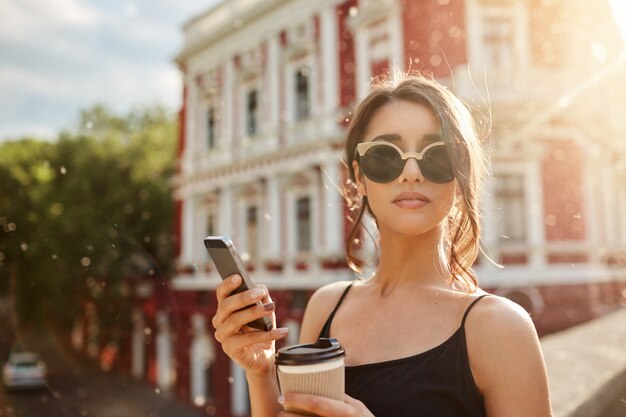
422,339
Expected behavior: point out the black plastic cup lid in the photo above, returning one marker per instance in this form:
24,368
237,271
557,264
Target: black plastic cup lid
325,349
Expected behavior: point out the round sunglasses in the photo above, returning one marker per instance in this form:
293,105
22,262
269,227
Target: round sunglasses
383,162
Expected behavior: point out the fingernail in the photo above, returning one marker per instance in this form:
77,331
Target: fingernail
235,279
281,399
256,293
268,306
283,330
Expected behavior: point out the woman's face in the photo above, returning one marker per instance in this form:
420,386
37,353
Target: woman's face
410,204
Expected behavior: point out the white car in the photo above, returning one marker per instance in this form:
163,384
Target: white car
24,370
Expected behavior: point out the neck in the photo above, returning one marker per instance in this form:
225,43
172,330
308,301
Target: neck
410,262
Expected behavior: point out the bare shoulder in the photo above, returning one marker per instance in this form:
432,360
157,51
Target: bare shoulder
319,307
505,356
498,326
498,314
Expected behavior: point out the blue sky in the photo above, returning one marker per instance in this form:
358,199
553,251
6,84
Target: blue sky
59,56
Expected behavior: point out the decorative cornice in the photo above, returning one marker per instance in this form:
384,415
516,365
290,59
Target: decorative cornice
238,169
233,17
370,12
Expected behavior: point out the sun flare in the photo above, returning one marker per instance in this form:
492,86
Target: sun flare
618,7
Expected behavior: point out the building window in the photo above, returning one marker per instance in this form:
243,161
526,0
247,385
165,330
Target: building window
303,224
252,231
210,128
498,39
510,213
303,103
252,112
499,32
210,224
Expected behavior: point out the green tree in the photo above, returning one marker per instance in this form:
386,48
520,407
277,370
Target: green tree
90,210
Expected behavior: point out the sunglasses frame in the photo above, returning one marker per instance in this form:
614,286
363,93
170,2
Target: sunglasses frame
363,147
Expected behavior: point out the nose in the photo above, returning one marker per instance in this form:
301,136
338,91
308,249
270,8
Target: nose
411,172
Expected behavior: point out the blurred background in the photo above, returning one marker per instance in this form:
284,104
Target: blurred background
131,130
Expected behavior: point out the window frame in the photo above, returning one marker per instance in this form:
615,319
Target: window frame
211,128
518,12
299,113
521,198
309,226
294,65
252,92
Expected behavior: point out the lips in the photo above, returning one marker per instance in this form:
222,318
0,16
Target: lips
411,200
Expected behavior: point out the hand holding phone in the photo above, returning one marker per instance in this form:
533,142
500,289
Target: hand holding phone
228,262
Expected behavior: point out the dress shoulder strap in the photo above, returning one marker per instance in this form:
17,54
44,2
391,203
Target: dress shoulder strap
470,307
325,332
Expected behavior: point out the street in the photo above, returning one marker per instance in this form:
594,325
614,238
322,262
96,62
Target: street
78,388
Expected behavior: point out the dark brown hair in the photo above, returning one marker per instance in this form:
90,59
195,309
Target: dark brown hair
462,229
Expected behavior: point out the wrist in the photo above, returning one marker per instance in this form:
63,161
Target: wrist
261,376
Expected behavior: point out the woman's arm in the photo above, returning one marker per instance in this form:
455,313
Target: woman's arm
251,349
263,395
506,360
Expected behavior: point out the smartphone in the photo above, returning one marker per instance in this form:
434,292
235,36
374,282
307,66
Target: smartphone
227,262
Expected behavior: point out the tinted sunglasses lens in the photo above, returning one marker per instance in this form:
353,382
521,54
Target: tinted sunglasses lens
436,165
381,164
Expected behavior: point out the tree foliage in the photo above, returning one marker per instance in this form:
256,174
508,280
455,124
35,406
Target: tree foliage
82,214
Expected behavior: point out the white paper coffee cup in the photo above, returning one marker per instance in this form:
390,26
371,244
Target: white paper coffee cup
317,368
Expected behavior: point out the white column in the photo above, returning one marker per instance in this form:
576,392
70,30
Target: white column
185,157
241,232
270,219
164,351
290,224
489,228
329,67
333,211
396,40
521,34
191,123
226,125
472,23
609,204
225,220
187,238
535,221
239,391
201,356
273,76
590,193
289,85
317,214
200,227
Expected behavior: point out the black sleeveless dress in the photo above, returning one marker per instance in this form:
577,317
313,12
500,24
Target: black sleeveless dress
435,383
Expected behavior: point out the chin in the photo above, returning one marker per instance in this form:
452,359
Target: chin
412,228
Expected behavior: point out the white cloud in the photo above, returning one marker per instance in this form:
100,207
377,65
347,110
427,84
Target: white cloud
30,19
59,56
25,81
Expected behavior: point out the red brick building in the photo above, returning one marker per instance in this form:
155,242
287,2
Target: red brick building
268,86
